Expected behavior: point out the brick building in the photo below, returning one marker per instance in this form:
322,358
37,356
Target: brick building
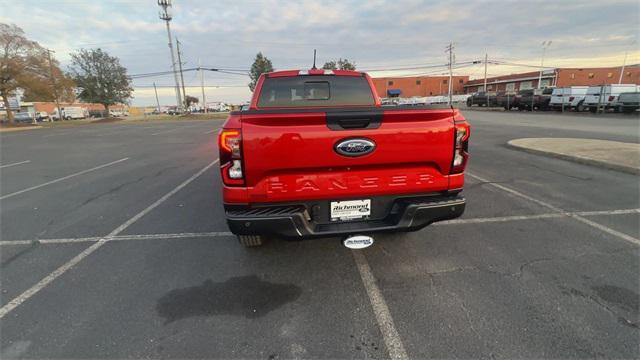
561,77
418,86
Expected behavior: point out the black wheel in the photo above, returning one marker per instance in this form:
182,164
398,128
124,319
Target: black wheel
250,240
469,102
580,106
593,109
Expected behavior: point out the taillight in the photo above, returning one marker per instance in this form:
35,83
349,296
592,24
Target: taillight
611,98
571,98
461,148
230,145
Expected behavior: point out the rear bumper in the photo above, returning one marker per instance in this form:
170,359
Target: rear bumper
295,221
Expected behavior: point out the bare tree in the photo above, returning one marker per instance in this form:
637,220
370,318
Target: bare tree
23,64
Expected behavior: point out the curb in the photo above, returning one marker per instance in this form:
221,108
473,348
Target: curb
577,159
18,128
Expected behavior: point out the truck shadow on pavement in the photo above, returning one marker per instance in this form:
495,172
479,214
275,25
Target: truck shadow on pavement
246,296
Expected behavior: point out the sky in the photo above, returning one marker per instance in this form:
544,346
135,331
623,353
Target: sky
376,35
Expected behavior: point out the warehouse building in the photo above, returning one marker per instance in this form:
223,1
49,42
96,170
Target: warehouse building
561,77
418,86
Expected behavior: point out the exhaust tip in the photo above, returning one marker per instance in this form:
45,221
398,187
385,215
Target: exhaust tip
358,242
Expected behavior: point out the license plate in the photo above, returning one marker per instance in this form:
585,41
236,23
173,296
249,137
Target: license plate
350,210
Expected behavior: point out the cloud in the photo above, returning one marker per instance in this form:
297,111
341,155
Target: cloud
373,33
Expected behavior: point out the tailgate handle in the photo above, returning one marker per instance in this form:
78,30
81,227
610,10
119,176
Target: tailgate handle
354,123
349,120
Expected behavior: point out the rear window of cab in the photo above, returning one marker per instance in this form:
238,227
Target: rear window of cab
315,90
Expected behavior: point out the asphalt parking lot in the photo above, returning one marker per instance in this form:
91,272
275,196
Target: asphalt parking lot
134,259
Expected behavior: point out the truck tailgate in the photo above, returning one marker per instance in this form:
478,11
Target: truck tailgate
290,156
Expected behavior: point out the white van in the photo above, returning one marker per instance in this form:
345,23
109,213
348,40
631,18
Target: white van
69,113
569,97
606,95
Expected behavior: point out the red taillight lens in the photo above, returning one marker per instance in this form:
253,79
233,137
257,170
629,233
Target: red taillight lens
461,148
611,98
230,145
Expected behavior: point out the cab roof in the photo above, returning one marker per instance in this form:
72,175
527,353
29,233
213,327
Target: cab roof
312,72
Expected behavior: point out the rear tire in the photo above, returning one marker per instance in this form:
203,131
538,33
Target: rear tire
580,106
251,240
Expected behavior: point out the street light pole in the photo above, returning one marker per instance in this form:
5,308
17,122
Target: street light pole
157,100
204,100
545,45
622,69
485,71
53,84
165,15
449,49
184,92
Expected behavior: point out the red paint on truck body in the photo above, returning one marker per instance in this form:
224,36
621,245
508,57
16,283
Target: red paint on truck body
289,156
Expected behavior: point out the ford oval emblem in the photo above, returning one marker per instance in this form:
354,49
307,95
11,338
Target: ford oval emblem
355,147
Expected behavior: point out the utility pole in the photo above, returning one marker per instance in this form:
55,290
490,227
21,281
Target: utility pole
545,45
449,49
157,101
485,72
622,69
53,84
184,93
204,100
165,14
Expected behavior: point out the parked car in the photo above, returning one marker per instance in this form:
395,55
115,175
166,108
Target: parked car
629,102
374,169
118,113
42,116
606,96
506,100
23,117
568,98
480,98
534,99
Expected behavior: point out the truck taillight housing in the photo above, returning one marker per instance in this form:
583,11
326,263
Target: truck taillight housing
230,145
461,148
611,98
571,98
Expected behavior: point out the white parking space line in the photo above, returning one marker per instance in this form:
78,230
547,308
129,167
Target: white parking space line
14,164
575,216
212,131
56,134
14,303
174,129
62,179
537,216
392,339
227,234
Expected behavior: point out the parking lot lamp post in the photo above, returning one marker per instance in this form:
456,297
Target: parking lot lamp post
545,45
165,14
53,84
624,62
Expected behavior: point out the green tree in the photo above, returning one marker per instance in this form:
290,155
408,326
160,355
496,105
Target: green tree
260,66
100,78
190,100
23,65
342,64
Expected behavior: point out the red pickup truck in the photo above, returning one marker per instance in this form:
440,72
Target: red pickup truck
317,155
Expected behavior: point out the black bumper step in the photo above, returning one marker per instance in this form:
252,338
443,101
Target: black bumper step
294,221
